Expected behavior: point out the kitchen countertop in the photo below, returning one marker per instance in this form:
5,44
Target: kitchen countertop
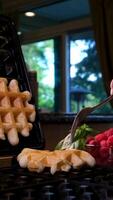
69,117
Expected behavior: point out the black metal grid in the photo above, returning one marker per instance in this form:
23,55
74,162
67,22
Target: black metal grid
12,66
84,184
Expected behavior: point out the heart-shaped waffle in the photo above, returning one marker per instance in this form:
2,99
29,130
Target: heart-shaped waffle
15,111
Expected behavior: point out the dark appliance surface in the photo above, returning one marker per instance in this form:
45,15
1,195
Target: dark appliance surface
12,66
85,184
19,184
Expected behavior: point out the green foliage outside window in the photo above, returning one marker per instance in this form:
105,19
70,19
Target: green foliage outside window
88,76
37,60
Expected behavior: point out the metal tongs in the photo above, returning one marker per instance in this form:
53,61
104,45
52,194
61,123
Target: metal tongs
84,113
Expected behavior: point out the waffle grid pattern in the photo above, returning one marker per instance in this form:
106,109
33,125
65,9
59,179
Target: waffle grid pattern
16,113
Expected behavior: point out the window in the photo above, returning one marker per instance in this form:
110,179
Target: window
86,83
68,72
39,57
83,73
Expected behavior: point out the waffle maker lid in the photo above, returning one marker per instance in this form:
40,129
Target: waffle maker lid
12,66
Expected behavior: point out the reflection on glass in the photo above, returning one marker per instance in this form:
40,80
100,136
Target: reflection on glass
86,84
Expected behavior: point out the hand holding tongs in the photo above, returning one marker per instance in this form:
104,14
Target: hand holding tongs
83,114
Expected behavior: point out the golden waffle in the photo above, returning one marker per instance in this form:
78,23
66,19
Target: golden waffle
58,160
15,111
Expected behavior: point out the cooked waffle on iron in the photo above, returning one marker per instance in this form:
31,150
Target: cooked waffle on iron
15,111
58,160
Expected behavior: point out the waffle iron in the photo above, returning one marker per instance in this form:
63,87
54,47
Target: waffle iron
19,184
12,66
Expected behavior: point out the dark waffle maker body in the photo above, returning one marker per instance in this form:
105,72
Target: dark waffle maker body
12,66
19,184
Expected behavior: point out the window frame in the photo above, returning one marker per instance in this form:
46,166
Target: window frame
61,33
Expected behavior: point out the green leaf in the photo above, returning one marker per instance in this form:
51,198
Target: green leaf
82,132
79,138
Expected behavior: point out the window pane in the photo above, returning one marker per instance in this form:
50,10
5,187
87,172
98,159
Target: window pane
86,83
39,57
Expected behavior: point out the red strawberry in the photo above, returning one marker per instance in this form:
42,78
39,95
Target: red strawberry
98,160
93,142
89,138
103,143
92,149
109,132
101,136
104,152
110,141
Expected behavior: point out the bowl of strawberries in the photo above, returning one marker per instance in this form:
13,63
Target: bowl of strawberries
100,147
